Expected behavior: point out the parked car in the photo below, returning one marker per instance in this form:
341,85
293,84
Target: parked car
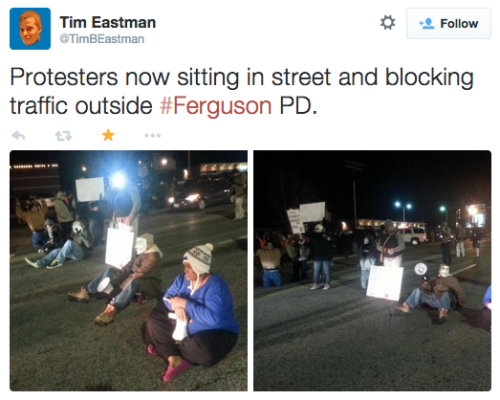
415,236
202,193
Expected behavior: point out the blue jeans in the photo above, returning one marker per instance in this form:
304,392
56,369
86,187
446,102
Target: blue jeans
271,278
121,300
70,251
323,263
37,240
418,297
365,276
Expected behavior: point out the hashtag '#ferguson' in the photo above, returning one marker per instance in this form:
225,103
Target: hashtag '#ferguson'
214,108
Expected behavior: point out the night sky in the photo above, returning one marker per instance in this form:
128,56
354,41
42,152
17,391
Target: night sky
427,180
100,163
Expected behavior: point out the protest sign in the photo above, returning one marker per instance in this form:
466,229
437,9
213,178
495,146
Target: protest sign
119,246
385,282
90,189
295,221
312,212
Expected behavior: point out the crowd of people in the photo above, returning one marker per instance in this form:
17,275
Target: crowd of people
198,299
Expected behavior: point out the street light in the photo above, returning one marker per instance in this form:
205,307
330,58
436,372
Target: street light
445,210
408,206
84,168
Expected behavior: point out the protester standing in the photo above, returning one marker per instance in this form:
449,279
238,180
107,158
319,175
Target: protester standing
391,245
460,235
445,235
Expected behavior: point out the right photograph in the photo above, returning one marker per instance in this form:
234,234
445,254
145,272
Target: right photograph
372,270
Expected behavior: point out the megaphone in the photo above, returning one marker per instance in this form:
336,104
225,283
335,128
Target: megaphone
421,269
180,331
105,286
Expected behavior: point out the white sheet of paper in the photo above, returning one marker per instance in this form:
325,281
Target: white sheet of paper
90,189
385,283
313,212
295,221
119,246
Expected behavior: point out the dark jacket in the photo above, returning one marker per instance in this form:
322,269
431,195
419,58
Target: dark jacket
393,241
476,235
367,255
320,245
145,269
439,286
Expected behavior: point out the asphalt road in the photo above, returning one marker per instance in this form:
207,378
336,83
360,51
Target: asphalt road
341,340
55,344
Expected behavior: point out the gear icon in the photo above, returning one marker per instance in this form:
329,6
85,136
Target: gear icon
388,22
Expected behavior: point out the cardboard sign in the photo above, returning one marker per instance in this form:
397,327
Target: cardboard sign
312,212
119,247
90,189
385,283
296,222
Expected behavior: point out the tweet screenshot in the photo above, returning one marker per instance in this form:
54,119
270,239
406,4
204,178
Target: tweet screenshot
353,142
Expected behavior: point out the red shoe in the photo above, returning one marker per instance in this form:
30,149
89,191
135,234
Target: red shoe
152,350
172,373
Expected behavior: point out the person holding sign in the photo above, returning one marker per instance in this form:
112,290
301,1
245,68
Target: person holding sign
141,275
442,292
202,301
391,245
126,204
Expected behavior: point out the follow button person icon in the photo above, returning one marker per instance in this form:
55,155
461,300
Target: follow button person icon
428,23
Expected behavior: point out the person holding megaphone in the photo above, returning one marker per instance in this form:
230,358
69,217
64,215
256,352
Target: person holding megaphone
442,292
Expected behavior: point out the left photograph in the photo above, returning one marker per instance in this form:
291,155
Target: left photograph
125,270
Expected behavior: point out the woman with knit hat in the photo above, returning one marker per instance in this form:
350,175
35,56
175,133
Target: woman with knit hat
203,300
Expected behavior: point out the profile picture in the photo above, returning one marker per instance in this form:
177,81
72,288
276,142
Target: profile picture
30,28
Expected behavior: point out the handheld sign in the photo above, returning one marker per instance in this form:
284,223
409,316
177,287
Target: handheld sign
385,283
295,222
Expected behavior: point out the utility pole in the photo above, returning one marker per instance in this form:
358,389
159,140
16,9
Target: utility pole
354,166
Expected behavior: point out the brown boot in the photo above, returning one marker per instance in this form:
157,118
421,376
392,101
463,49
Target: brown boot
81,297
404,308
107,316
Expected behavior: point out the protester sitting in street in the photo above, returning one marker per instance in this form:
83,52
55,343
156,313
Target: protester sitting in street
53,238
202,301
35,218
77,249
442,292
487,308
367,257
64,215
321,248
270,261
391,245
141,275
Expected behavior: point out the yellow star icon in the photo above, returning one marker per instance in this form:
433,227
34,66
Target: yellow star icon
108,135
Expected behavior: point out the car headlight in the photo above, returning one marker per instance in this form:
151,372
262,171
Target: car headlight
171,200
193,197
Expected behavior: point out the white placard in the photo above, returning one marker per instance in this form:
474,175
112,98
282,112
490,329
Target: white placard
90,189
295,221
312,212
119,246
385,282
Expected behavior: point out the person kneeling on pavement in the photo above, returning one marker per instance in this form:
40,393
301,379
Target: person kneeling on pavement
270,260
442,292
141,275
201,303
77,248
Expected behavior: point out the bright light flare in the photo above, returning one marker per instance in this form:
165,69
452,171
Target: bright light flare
118,180
193,197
